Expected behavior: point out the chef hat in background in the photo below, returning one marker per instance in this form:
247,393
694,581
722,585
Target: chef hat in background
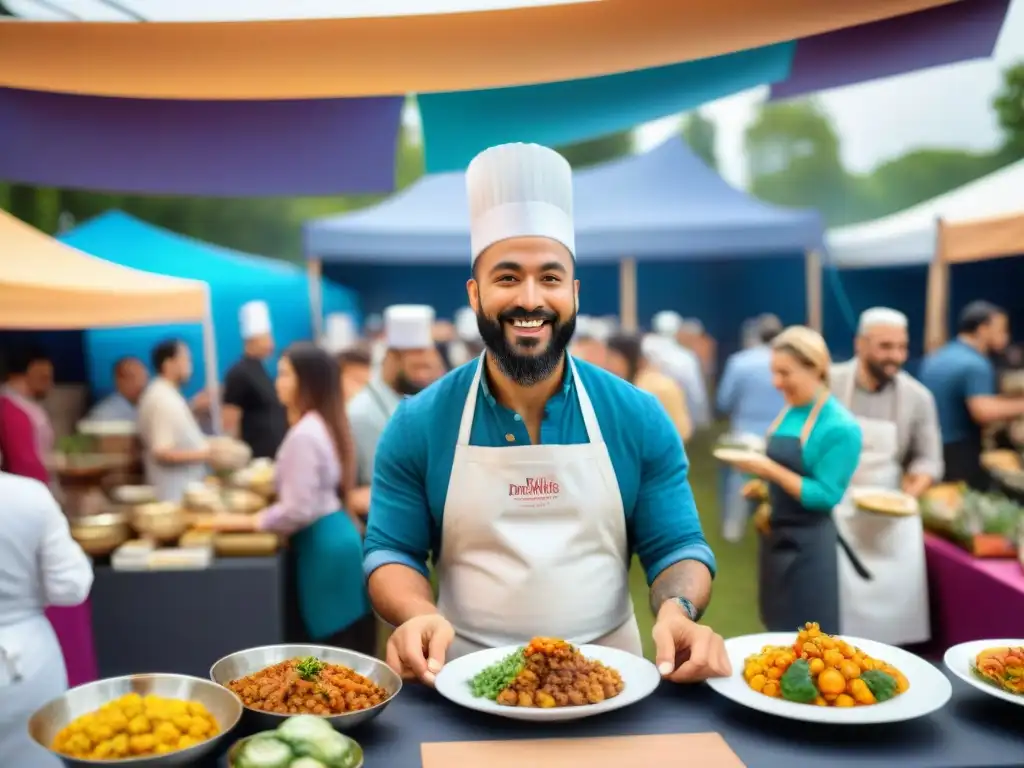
254,319
584,327
519,190
881,316
466,327
600,330
409,326
340,333
666,323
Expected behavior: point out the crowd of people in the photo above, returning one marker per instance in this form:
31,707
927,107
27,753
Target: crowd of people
522,455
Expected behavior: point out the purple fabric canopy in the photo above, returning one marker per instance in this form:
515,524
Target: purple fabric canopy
959,31
237,148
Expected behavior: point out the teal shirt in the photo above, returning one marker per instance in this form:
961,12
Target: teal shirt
831,453
415,454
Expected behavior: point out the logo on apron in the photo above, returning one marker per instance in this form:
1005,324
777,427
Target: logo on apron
535,491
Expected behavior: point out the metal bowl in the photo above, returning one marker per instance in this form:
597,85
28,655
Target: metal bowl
100,534
244,663
161,521
227,708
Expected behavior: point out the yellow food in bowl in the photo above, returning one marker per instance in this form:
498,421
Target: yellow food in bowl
823,670
136,726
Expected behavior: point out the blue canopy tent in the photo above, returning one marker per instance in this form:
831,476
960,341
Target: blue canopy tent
665,208
234,278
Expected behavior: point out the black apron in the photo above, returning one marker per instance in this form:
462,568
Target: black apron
798,566
963,462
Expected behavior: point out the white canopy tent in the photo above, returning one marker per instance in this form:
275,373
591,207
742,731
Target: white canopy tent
910,236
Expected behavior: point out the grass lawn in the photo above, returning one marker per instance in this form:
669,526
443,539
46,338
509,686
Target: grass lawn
733,609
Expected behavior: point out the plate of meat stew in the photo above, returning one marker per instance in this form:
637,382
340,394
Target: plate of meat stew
547,679
275,682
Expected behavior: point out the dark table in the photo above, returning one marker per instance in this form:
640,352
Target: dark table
182,621
972,731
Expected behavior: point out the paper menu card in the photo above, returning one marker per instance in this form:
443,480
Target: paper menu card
707,750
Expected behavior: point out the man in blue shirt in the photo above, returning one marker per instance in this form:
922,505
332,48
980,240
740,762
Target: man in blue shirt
747,396
531,479
962,378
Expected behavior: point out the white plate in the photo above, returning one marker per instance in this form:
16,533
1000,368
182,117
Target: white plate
929,688
960,660
731,455
640,676
908,502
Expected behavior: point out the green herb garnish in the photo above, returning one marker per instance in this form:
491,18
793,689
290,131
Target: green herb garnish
489,682
309,667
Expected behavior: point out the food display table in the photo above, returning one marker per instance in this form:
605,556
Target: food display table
972,731
184,620
972,598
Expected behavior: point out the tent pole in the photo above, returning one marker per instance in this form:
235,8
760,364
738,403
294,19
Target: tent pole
813,277
627,295
210,361
937,298
314,272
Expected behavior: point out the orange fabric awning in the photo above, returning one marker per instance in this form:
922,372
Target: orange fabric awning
329,58
46,285
980,239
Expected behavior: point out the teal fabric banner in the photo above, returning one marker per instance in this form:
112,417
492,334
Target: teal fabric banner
458,125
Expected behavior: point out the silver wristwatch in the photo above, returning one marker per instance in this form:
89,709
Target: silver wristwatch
689,608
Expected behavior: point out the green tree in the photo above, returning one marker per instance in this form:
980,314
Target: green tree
600,150
794,159
1009,108
699,132
920,175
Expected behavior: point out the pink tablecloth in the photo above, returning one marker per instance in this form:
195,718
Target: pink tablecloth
972,598
74,630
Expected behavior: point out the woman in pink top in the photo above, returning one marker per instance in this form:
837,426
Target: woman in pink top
315,470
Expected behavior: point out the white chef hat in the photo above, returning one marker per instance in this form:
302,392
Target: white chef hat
878,316
666,323
466,327
409,326
340,332
600,330
519,190
254,319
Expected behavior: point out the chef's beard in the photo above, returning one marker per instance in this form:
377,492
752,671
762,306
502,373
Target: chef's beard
880,374
404,386
525,369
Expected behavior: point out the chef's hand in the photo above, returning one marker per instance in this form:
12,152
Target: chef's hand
417,648
685,651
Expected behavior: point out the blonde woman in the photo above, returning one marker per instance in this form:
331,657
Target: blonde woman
813,449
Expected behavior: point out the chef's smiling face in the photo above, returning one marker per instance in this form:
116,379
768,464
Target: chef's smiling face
882,350
525,295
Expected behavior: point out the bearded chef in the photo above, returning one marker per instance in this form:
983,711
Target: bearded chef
902,449
531,477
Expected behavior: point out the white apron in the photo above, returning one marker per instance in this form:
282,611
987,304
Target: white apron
893,606
534,542
32,673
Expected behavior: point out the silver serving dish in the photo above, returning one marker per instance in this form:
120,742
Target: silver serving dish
227,708
244,663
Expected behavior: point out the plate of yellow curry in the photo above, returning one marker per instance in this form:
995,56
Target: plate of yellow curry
993,666
812,676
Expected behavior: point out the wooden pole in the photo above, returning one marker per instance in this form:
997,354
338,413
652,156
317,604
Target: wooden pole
936,312
627,295
814,309
314,272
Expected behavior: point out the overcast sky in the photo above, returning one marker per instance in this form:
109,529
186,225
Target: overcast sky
943,107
